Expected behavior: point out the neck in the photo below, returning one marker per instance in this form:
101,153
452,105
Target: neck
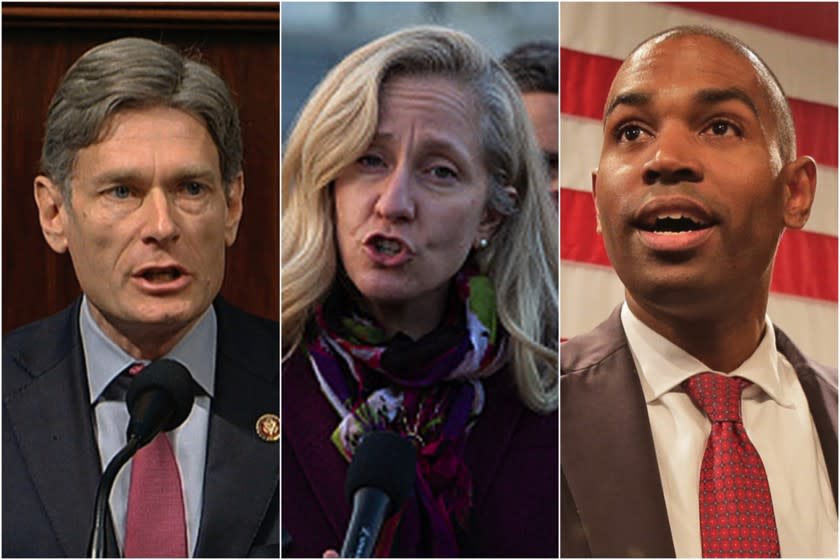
721,340
414,318
142,341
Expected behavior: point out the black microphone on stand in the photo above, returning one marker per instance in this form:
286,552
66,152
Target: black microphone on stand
379,480
159,399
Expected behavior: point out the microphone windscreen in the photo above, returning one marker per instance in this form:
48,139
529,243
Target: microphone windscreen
167,376
386,461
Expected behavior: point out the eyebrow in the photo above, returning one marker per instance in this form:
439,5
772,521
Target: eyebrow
708,96
129,175
432,143
632,99
114,176
713,96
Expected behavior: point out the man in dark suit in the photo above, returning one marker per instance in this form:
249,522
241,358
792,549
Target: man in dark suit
697,181
142,184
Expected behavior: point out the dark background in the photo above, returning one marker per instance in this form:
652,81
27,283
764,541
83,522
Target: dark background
41,40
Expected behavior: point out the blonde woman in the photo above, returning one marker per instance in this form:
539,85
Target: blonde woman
420,297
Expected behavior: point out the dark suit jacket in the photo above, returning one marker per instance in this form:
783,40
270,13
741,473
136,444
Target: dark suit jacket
51,464
612,504
511,453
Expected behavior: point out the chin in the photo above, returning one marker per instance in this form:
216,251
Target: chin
679,294
169,313
393,296
381,287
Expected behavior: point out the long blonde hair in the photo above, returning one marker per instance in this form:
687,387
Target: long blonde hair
337,125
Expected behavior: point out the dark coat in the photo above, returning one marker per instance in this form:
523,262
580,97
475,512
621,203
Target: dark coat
511,453
612,504
51,464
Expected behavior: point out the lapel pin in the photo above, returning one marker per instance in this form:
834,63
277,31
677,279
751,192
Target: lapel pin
268,427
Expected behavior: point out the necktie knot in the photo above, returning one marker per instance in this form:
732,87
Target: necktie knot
718,396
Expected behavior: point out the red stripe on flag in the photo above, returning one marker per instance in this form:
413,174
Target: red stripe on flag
806,265
816,130
806,262
579,241
816,20
586,80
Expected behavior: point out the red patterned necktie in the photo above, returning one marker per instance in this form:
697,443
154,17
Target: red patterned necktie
155,524
736,512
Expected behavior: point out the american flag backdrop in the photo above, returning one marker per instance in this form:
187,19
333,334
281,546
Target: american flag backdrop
798,40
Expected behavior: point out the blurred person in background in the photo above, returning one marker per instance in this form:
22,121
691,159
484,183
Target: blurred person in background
534,67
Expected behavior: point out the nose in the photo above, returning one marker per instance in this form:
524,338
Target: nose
159,225
396,201
675,159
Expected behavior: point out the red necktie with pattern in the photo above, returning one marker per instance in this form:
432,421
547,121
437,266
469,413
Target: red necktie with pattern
736,512
155,524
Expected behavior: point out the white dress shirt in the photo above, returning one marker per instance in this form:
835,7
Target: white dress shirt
777,419
105,361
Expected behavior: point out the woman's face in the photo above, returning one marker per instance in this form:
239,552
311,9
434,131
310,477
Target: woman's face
409,210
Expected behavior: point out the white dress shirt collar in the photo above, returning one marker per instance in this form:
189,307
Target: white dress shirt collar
662,365
105,360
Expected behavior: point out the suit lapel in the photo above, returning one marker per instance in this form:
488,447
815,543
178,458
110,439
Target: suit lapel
492,435
820,387
607,452
308,422
51,419
241,473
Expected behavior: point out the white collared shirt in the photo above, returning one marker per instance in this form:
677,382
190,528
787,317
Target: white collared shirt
777,419
105,361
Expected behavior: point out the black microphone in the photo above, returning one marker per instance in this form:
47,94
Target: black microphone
379,480
159,399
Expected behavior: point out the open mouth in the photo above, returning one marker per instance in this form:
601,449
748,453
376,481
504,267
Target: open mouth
161,275
387,250
386,247
674,224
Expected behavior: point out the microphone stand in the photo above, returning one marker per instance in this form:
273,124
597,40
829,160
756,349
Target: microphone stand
97,545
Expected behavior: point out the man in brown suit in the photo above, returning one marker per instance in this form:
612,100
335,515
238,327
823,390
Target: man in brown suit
698,178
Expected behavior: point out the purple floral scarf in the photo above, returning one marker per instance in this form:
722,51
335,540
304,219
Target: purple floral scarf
428,390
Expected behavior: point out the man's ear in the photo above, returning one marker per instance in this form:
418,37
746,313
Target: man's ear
52,212
234,208
595,196
800,184
492,219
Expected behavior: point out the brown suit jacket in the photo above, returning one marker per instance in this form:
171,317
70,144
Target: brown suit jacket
611,500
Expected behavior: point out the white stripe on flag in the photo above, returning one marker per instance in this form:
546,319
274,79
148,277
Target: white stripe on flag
794,59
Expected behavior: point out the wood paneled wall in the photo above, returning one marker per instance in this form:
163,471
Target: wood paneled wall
41,40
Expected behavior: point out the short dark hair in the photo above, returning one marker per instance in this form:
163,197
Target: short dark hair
533,66
779,105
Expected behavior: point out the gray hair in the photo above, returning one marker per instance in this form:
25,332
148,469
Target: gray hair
132,73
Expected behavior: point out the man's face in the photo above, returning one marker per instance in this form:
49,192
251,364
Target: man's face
542,107
147,222
689,193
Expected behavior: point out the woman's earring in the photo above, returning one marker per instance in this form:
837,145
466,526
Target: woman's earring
482,243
